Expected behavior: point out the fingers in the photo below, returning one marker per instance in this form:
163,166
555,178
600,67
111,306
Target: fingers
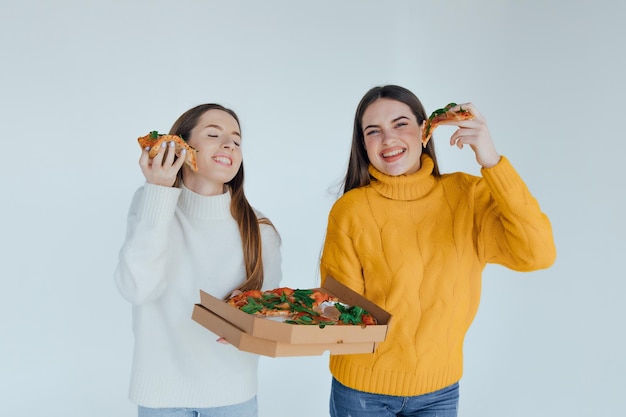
459,138
163,168
477,136
475,133
471,131
466,137
222,341
169,154
476,121
180,160
144,160
158,158
470,108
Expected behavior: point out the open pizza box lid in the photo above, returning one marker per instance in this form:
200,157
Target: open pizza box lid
277,331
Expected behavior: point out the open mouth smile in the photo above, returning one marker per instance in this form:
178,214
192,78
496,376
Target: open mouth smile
392,153
223,160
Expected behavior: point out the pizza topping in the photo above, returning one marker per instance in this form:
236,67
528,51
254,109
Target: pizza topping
441,115
312,307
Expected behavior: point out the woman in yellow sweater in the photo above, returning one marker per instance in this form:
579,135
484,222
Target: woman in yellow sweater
415,242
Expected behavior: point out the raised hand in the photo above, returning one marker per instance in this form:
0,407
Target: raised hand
475,133
163,168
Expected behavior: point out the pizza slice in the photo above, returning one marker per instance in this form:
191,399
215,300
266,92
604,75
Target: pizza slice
282,301
443,115
262,303
154,140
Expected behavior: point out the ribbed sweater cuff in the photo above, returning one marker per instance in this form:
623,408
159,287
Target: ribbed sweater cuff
159,203
505,183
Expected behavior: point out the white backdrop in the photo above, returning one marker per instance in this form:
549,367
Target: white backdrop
81,80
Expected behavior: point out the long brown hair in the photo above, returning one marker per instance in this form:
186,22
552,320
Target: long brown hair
357,174
240,208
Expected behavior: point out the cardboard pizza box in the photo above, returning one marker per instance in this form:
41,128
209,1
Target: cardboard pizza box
243,341
278,331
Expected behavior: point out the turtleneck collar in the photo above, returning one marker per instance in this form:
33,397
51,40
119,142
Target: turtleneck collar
405,187
205,207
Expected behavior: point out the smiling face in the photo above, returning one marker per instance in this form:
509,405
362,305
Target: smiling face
217,138
392,137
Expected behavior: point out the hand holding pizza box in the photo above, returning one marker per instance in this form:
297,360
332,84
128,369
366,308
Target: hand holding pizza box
294,322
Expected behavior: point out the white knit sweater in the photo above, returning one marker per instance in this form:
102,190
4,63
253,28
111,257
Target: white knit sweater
177,243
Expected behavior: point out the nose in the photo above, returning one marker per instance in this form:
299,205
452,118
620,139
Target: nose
387,135
228,143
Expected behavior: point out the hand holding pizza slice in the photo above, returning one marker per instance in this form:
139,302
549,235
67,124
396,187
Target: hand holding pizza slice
473,131
154,139
443,116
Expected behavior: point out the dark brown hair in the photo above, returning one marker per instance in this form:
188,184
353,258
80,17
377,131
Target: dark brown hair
240,208
357,174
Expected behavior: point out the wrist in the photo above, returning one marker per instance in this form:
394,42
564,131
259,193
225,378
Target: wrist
490,162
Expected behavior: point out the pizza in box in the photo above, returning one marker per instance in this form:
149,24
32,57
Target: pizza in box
301,306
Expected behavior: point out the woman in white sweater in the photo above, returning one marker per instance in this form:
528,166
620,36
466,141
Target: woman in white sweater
189,231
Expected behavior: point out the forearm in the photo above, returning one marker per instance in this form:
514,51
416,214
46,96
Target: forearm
515,232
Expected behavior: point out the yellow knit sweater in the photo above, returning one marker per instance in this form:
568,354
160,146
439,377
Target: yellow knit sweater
416,245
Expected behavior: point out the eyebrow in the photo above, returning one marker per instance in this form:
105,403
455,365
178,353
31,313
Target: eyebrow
393,121
218,127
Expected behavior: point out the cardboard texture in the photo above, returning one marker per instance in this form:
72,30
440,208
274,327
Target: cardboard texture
271,348
268,337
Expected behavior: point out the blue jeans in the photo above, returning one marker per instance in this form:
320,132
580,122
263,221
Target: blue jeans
347,402
246,409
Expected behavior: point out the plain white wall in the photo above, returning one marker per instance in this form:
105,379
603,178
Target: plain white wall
81,80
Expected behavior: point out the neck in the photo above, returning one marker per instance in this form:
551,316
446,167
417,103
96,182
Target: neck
405,187
202,186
